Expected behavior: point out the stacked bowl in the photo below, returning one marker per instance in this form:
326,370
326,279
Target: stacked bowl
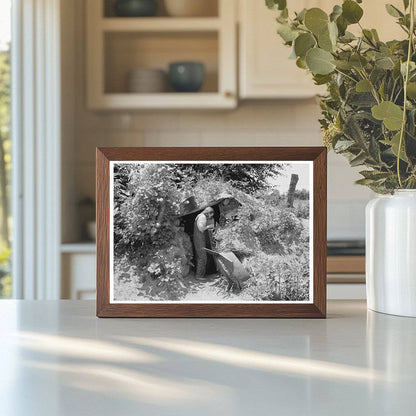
147,80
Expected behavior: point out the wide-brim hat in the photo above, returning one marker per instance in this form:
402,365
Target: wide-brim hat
187,206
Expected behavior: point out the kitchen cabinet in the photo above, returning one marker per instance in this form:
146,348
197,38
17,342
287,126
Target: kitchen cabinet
265,70
78,263
116,46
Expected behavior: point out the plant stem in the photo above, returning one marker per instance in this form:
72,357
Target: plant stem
373,89
345,75
406,80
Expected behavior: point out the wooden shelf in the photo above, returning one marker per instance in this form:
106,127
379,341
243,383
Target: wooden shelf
163,101
80,247
346,264
159,24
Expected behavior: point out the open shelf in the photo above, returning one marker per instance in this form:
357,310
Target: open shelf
108,9
116,46
130,101
80,247
127,51
160,24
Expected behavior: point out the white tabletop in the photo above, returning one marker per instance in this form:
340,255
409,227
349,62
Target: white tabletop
57,359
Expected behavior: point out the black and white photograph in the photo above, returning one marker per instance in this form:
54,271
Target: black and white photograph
211,232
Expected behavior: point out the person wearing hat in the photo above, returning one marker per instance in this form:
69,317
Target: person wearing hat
203,222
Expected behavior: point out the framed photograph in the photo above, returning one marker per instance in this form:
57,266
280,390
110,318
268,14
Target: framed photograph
211,232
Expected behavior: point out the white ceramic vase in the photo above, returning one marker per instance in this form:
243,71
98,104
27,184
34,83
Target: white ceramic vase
391,253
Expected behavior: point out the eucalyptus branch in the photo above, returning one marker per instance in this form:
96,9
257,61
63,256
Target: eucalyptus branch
377,121
405,81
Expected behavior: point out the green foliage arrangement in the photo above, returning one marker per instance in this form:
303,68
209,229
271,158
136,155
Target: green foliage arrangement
369,112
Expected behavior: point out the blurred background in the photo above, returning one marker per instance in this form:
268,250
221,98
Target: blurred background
99,73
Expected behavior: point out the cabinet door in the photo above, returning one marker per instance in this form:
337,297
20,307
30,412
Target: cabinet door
265,68
78,276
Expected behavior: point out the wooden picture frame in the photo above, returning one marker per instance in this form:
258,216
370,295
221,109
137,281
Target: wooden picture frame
315,308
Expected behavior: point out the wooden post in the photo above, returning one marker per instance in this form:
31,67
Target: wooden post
292,187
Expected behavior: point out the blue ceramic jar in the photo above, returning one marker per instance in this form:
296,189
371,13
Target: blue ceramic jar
136,8
186,76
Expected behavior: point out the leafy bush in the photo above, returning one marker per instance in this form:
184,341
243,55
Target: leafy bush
302,194
245,177
278,277
274,245
145,232
154,254
301,209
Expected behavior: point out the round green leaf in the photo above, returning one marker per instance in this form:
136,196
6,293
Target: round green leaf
319,61
342,25
321,79
411,90
324,42
328,39
363,86
276,4
342,64
351,11
394,144
303,43
336,12
316,20
358,61
333,32
286,32
385,63
391,114
301,63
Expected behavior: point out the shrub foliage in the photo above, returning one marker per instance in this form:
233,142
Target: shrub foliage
154,255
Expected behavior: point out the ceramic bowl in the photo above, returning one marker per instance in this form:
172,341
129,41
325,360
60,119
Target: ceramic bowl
147,80
135,8
186,76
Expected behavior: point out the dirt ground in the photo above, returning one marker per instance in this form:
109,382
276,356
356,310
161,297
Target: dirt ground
212,288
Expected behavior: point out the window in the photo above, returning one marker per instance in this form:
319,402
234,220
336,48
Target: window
5,144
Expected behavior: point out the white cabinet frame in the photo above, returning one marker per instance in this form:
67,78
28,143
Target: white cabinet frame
98,25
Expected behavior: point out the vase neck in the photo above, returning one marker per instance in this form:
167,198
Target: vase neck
405,192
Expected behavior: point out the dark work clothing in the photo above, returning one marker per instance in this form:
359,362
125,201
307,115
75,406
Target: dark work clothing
199,244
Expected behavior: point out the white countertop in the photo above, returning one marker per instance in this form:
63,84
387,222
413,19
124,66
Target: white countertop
57,359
